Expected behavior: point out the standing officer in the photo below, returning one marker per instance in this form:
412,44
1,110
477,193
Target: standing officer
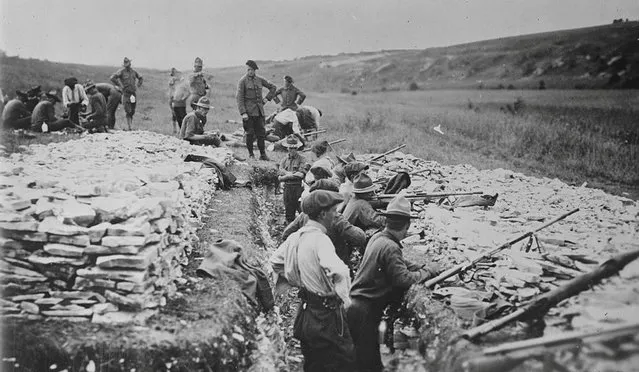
125,80
251,106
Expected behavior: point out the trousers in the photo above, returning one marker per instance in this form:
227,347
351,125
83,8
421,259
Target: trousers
254,127
292,194
364,316
321,327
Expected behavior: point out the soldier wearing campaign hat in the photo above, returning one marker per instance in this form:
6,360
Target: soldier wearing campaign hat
125,80
383,277
198,87
292,170
359,210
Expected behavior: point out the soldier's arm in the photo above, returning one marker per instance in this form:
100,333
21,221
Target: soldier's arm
271,89
352,235
396,269
369,217
140,79
301,98
239,97
115,79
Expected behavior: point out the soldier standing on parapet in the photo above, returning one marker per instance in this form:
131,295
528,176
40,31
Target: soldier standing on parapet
197,84
251,106
125,79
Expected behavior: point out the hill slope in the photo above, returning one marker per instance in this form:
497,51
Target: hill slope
595,57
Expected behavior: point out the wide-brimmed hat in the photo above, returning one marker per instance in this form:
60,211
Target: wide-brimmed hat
398,207
319,200
198,61
89,84
53,94
21,93
204,102
363,184
250,63
345,159
291,141
126,60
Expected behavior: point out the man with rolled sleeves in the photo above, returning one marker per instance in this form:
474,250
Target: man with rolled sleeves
382,279
307,260
251,106
125,80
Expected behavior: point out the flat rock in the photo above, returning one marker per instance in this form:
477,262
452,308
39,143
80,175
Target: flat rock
63,250
122,241
51,225
79,240
25,236
49,301
30,307
100,250
44,208
126,275
104,308
13,217
141,261
17,270
77,294
19,226
69,313
56,260
78,213
82,283
112,208
132,227
29,297
98,231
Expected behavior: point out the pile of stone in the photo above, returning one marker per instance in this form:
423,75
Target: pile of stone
98,228
605,226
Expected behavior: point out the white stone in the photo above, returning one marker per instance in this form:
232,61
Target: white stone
78,213
63,250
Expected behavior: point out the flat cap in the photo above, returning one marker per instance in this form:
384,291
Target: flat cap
250,63
319,200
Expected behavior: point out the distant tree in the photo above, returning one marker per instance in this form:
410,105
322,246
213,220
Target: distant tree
413,86
511,87
354,93
501,86
542,85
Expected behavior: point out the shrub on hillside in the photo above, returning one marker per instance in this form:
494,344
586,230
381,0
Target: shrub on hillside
413,86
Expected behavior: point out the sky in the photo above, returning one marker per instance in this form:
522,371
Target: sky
171,33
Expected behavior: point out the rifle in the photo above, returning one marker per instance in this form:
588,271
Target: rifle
507,356
387,153
463,267
330,143
540,306
420,195
311,133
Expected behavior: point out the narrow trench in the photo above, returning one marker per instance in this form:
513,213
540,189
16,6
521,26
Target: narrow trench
277,350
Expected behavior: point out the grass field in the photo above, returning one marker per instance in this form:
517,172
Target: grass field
575,135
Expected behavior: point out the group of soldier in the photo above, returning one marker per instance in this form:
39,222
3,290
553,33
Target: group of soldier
86,107
342,300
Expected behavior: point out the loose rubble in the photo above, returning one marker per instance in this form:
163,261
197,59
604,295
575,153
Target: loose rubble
97,229
605,226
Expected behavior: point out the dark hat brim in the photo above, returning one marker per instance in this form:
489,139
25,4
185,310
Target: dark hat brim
396,214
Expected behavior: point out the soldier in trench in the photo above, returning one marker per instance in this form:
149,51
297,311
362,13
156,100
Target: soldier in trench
382,279
307,260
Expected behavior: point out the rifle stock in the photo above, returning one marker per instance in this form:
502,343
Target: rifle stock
463,267
311,133
426,195
387,153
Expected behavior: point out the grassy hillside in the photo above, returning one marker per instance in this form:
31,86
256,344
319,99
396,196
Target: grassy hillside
595,57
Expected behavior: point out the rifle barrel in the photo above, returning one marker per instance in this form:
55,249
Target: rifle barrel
462,267
330,143
426,195
388,152
316,132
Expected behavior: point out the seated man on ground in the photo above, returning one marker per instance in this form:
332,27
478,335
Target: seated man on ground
359,211
43,118
96,115
15,114
192,128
